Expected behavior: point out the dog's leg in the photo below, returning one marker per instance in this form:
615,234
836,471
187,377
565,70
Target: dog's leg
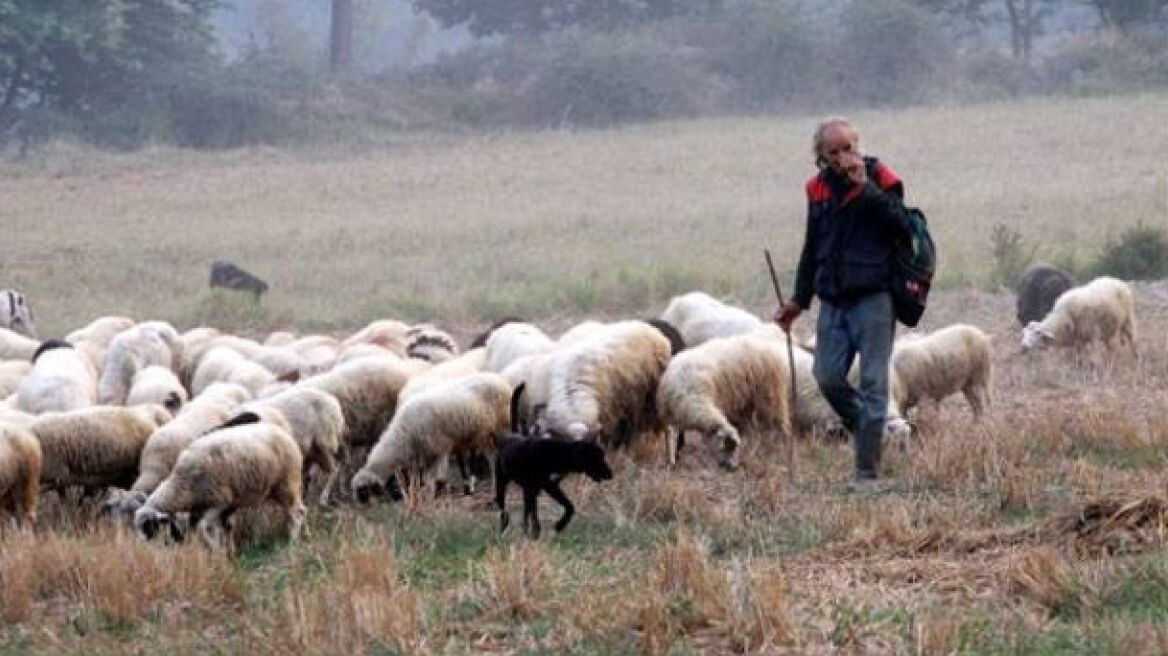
501,497
554,491
531,512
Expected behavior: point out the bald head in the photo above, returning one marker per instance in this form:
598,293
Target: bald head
837,146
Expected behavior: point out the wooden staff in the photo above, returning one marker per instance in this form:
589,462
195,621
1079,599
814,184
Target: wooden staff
790,365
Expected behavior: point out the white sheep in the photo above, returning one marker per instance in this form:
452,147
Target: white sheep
355,351
14,346
367,389
386,333
157,384
194,345
280,361
20,471
427,342
700,317
237,467
61,379
319,353
11,373
467,364
100,331
536,371
605,387
581,332
1102,310
313,418
279,338
95,447
16,313
222,364
512,341
957,358
151,343
724,386
463,416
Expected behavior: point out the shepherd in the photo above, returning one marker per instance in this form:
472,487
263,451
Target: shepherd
855,215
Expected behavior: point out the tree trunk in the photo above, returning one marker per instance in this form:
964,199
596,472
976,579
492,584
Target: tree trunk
341,43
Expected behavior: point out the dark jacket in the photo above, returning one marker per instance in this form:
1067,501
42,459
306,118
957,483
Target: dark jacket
850,235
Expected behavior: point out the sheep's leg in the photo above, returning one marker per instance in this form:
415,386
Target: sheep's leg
501,497
531,511
468,481
210,530
975,395
296,515
554,491
328,464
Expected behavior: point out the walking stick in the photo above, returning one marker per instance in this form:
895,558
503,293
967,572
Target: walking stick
790,446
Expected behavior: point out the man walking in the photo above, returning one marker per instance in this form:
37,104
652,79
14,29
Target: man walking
855,214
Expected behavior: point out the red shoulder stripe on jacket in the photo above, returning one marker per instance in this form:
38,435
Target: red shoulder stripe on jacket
817,190
886,178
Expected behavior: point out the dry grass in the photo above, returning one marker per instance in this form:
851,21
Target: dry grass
1038,530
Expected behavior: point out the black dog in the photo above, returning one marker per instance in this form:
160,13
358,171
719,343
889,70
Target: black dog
538,465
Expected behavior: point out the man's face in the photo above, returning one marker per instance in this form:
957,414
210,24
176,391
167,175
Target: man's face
841,149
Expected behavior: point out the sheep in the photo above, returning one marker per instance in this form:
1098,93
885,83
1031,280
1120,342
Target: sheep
11,373
204,413
724,384
237,467
581,332
14,346
195,343
279,338
157,384
356,351
100,331
223,364
605,387
464,415
386,333
481,338
280,361
313,418
16,313
61,379
700,317
467,364
511,341
318,353
1038,288
95,447
1102,310
146,344
536,372
20,472
229,276
367,389
957,358
669,331
425,342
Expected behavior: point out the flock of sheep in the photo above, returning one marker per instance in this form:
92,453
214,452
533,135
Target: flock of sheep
176,431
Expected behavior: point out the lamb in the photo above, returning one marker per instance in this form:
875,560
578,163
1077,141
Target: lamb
157,384
223,364
1102,309
95,447
466,415
237,467
11,373
538,465
957,358
151,343
61,379
605,387
20,472
14,346
229,276
1038,288
512,341
313,418
367,389
16,313
425,342
723,385
700,317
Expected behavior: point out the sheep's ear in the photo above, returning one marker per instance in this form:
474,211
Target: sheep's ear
172,402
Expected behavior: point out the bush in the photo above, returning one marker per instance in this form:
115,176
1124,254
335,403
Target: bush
1011,256
1139,253
892,53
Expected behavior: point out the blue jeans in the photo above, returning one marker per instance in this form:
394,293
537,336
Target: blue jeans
864,327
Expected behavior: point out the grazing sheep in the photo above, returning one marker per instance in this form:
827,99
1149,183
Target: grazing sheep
14,346
237,467
157,384
279,338
95,447
16,313
481,338
1102,310
538,465
100,331
151,343
282,362
724,385
229,276
61,379
581,332
465,415
1038,288
669,331
195,343
957,358
318,353
605,387
467,364
226,365
11,373
20,472
313,418
511,341
367,389
356,351
386,333
700,317
425,342
204,413
534,371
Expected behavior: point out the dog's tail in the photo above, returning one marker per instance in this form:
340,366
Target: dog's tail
515,396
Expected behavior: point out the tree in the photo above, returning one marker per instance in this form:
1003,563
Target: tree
341,36
504,17
1125,14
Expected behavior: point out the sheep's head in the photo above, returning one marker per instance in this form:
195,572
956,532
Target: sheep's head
1034,336
729,440
148,521
173,402
366,485
122,504
898,430
590,457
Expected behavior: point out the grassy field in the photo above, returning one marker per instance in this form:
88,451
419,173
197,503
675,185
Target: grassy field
1038,530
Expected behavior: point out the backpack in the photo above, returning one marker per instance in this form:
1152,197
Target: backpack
914,262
